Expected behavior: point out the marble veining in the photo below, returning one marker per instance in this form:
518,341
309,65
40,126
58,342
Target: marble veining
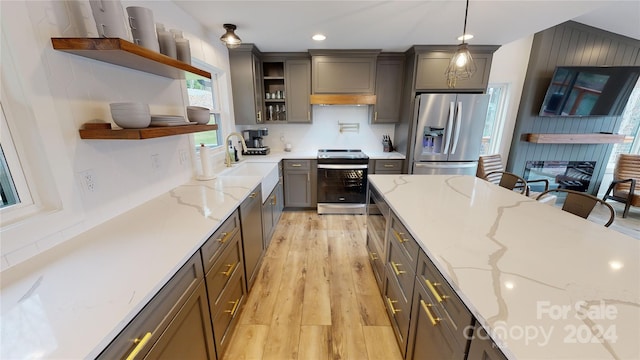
545,284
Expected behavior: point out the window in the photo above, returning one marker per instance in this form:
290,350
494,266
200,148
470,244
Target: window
204,92
630,126
494,123
14,191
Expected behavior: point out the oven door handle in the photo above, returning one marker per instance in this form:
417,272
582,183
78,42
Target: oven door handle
342,166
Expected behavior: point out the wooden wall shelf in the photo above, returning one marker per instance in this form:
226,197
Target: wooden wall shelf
596,138
124,53
139,134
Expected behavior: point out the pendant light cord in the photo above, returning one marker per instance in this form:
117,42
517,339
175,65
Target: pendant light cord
464,29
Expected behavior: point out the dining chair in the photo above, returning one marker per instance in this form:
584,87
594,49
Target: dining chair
509,181
490,167
626,175
581,203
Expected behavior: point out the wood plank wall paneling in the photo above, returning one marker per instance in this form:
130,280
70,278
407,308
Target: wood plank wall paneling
570,44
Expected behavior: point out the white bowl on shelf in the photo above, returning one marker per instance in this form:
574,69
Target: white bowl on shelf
198,114
131,115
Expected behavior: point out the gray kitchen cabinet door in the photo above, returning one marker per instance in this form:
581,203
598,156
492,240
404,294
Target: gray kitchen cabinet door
267,218
431,67
483,348
189,335
298,90
346,72
246,85
251,224
297,188
389,79
430,337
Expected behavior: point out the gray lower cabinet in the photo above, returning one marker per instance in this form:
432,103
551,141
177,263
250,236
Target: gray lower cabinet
298,89
389,80
483,348
252,241
431,336
176,320
388,166
400,272
245,67
300,183
271,212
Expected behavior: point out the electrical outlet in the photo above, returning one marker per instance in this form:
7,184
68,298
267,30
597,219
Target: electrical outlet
155,162
88,180
182,156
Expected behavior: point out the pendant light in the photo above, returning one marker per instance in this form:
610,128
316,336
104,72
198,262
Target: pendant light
461,65
230,39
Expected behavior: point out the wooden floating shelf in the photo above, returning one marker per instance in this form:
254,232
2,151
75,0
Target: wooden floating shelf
575,138
124,53
139,134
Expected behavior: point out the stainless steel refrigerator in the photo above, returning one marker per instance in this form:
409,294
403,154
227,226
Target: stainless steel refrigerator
448,133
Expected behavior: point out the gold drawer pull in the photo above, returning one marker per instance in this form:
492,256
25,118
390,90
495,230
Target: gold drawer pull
234,308
140,344
373,256
230,268
432,288
296,165
224,238
252,195
425,306
395,268
399,237
388,165
274,200
391,307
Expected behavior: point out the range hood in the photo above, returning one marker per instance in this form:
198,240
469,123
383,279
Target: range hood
342,99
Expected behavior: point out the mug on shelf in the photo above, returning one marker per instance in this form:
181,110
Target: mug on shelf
143,27
110,19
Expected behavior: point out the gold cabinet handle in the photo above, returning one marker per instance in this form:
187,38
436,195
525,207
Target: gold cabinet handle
375,116
224,238
373,256
274,200
391,307
399,237
234,308
140,343
308,115
296,165
388,165
396,270
252,195
259,116
230,268
425,306
432,288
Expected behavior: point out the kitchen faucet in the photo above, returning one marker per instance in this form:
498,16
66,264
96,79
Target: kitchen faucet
227,159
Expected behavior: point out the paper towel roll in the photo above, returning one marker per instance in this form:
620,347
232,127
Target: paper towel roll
207,172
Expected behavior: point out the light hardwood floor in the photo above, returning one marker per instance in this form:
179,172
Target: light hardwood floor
315,296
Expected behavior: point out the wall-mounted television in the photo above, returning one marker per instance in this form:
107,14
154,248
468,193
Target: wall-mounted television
589,90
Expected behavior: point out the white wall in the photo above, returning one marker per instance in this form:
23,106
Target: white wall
325,133
509,66
49,94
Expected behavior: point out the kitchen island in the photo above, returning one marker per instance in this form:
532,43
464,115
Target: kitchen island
544,283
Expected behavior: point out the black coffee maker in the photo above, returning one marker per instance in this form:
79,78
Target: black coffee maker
253,139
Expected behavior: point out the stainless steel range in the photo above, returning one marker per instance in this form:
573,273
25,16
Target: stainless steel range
342,181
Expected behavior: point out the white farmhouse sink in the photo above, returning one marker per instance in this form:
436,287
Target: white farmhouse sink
267,171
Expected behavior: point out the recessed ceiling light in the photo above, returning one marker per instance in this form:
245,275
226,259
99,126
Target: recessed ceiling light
318,37
465,37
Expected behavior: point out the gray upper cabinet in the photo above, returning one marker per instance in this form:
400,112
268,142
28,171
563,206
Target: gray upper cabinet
432,62
389,78
246,84
344,72
298,89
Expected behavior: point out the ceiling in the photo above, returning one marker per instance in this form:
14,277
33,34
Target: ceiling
396,25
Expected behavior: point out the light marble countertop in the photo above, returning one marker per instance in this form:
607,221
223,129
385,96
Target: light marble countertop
71,301
538,278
